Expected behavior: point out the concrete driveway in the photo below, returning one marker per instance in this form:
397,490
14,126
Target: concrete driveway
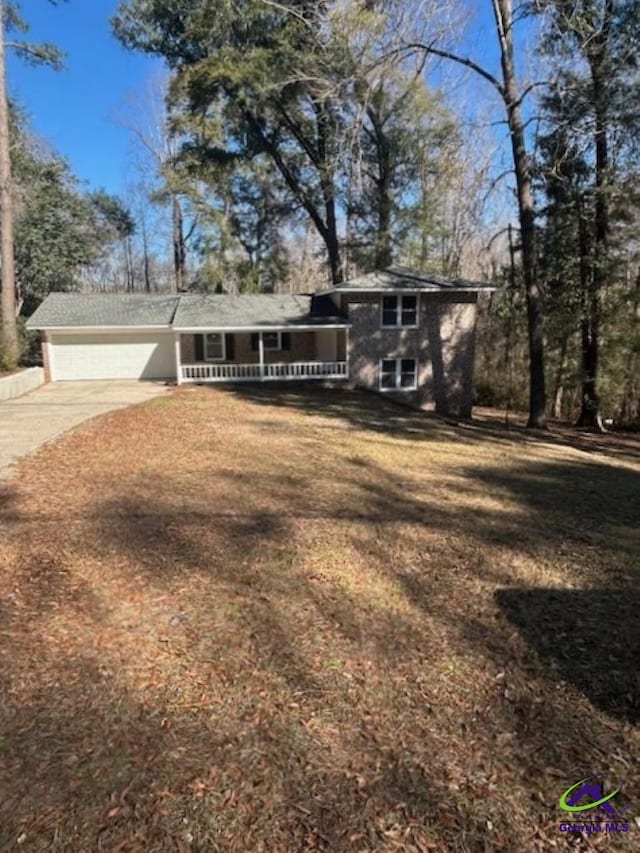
32,420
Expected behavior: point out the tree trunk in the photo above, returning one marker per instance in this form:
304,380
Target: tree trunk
326,168
630,407
335,260
508,91
508,338
384,254
179,251
348,222
131,276
383,250
590,412
537,392
558,390
7,260
326,228
145,254
588,331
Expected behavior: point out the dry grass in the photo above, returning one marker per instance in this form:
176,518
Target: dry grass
306,620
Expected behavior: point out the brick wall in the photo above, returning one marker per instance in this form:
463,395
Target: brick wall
187,349
302,349
443,345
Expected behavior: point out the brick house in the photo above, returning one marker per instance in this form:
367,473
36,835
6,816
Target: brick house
397,331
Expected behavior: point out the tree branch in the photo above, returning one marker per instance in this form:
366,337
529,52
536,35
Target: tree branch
461,60
530,88
289,177
43,54
298,135
287,10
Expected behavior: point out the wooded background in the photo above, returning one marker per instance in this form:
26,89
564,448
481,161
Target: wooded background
290,145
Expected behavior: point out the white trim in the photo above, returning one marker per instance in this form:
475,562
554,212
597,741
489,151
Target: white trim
398,374
256,372
347,354
223,357
399,309
84,329
186,329
177,343
261,354
434,288
230,329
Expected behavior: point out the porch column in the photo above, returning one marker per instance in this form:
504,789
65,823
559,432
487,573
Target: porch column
178,359
346,351
261,354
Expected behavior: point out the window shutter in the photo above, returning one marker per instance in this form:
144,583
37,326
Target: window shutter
198,341
230,347
254,341
286,341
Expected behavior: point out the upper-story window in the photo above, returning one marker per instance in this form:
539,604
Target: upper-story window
400,311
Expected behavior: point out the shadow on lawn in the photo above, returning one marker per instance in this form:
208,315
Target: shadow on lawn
229,738
8,496
89,760
589,637
360,409
368,410
582,500
85,764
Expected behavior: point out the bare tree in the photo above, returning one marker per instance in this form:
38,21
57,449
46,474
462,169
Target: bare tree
512,97
157,160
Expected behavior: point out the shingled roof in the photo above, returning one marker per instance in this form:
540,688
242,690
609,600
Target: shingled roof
226,311
403,278
67,310
184,311
252,311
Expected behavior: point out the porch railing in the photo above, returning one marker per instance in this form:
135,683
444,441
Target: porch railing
253,372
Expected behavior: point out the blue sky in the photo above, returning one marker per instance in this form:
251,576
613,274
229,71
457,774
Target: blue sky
74,109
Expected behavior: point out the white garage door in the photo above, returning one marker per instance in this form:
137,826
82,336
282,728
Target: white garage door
131,355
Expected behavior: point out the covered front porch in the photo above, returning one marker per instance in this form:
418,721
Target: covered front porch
262,355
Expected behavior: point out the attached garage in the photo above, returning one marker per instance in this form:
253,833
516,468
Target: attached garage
116,355
107,335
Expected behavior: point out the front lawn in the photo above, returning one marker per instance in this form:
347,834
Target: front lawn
286,620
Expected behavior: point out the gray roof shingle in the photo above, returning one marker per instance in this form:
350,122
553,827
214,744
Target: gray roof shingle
221,311
183,311
103,309
403,278
249,310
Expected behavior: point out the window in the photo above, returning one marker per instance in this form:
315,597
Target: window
400,311
214,347
407,373
388,373
398,374
271,340
389,310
